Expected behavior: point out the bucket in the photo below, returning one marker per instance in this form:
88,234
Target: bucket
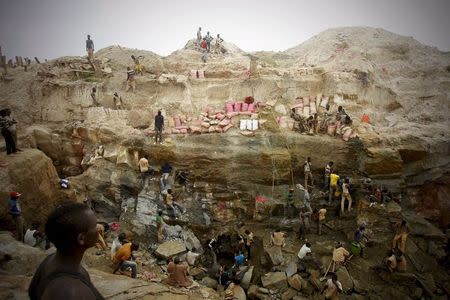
355,249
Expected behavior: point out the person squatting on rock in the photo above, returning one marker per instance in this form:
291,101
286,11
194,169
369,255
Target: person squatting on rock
346,196
90,48
72,229
124,258
16,213
159,126
131,80
178,273
401,233
117,101
7,126
332,288
307,171
33,237
277,239
171,203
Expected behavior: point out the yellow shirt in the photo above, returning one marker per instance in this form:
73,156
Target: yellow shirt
123,254
322,213
169,199
143,165
340,254
334,179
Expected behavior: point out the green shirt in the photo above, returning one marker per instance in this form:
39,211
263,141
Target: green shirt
159,220
290,198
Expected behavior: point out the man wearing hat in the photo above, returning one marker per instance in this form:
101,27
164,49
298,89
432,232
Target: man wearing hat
16,213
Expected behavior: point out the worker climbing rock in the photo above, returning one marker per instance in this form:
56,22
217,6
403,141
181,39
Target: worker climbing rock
131,79
90,48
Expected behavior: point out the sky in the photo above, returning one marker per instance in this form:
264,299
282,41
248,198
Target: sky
54,28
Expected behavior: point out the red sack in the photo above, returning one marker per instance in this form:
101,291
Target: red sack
204,44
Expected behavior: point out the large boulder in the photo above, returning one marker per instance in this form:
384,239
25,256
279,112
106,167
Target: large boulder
345,278
295,282
274,280
245,282
275,255
32,174
170,249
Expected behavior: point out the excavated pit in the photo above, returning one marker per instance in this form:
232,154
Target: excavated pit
402,85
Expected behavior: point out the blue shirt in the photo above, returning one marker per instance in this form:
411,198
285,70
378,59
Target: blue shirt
239,259
14,207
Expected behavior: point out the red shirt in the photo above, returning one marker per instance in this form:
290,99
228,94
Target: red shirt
204,44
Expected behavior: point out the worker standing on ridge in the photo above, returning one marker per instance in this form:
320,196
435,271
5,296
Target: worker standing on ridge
94,96
199,38
208,39
72,229
159,126
131,79
90,48
307,171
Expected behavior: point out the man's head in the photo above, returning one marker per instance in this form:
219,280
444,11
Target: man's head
339,108
8,112
134,246
362,227
331,163
72,228
14,195
327,106
122,237
169,191
128,68
403,222
199,28
115,94
160,213
89,37
159,112
333,276
308,159
176,260
347,180
247,232
207,33
308,245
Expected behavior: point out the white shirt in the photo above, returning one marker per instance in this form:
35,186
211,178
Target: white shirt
29,238
143,164
115,247
303,251
345,188
307,166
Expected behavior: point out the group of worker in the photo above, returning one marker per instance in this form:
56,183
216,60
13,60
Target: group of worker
204,44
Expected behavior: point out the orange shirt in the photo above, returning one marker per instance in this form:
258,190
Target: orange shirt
322,213
123,254
340,254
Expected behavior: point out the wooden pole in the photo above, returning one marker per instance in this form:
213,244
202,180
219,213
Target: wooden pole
37,60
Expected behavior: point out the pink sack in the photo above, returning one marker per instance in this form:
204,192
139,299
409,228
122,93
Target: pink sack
195,129
296,105
220,116
205,125
251,107
212,129
313,110
218,129
181,127
331,130
229,106
245,113
224,122
184,130
237,106
175,131
261,104
177,121
225,129
248,133
244,106
347,132
232,114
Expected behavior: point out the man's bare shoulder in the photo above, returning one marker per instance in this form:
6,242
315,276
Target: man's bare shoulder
67,288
